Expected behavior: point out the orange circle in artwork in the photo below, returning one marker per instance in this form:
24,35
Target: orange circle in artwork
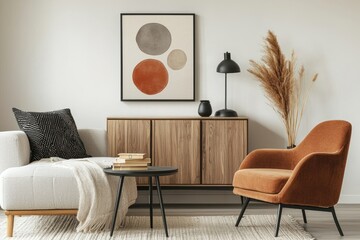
150,76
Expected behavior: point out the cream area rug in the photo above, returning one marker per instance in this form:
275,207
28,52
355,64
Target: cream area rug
180,227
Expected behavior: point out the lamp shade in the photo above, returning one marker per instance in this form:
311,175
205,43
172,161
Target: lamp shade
227,65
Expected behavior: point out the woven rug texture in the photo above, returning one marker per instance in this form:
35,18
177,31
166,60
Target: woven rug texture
179,227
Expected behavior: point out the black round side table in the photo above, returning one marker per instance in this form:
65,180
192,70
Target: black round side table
150,172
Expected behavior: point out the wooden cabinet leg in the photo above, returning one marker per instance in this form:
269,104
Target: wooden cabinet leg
10,225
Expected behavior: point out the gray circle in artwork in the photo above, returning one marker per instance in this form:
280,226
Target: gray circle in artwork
153,38
176,59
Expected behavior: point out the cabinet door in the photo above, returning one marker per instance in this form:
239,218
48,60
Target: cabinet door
224,146
177,143
129,136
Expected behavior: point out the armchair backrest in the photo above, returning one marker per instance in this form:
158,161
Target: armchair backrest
327,137
319,166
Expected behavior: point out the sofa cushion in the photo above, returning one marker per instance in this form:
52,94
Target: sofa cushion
51,134
40,185
263,180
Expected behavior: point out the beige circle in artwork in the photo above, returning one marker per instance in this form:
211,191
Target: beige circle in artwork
176,59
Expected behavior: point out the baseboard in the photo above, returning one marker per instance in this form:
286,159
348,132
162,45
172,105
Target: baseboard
349,199
191,197
212,197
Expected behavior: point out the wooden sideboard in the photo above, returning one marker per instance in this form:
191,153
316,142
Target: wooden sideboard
207,151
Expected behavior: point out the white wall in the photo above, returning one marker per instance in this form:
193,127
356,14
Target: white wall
57,54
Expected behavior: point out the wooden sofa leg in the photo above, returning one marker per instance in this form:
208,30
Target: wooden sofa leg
12,213
10,225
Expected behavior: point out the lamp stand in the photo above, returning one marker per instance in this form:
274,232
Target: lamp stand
226,112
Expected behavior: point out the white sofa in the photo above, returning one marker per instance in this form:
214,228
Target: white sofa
37,188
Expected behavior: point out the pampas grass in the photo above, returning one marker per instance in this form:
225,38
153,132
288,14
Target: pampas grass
284,85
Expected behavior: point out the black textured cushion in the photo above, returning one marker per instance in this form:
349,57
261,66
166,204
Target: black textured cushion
51,134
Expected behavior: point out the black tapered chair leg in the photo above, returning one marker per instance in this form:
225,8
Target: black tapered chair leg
336,221
242,200
247,200
278,219
304,215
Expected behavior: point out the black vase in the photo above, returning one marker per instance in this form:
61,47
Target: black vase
205,109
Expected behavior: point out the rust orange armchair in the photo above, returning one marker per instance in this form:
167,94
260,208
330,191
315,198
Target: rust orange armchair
307,177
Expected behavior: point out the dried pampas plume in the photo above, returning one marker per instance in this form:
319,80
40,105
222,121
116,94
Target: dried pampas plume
283,84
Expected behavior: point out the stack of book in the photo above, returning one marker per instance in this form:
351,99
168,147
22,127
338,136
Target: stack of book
131,161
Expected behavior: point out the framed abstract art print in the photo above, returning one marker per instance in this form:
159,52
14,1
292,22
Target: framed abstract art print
157,57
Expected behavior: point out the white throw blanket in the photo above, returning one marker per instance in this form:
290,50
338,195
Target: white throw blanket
97,192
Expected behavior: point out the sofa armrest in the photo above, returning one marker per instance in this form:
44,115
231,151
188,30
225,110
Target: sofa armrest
14,149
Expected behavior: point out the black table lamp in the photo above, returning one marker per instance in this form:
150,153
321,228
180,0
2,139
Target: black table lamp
227,66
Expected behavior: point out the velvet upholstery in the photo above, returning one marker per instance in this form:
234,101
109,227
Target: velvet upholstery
315,169
263,180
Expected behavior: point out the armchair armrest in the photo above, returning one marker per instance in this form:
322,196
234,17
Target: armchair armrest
269,158
14,149
314,175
